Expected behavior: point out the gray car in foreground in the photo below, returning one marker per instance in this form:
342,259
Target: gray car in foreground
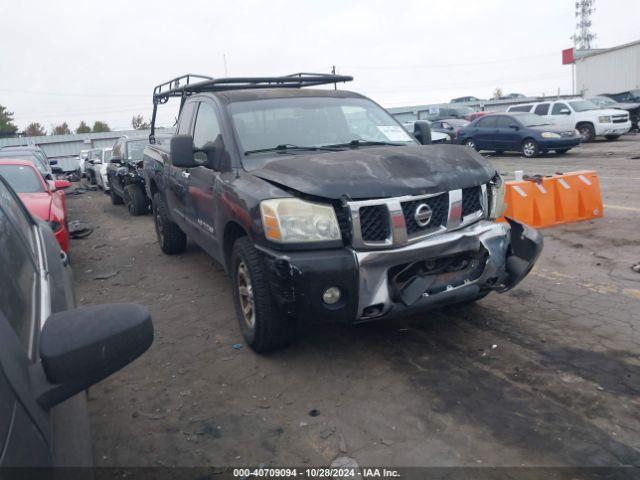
50,351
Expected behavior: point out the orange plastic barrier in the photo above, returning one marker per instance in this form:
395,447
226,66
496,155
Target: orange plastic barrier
570,197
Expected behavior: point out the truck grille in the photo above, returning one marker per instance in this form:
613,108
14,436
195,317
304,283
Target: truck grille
471,200
374,223
620,118
391,222
439,208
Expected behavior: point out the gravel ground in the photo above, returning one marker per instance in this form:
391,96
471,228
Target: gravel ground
547,374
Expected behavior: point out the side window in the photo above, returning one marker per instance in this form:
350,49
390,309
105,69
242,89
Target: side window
117,150
557,107
542,109
206,130
487,122
505,122
520,108
184,123
18,275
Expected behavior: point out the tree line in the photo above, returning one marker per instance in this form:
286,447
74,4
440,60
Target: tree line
9,129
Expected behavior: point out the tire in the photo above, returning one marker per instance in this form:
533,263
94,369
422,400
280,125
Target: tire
587,132
470,142
530,148
135,200
612,137
263,326
171,239
115,198
562,151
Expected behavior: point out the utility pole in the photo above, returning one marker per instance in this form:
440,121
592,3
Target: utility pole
584,36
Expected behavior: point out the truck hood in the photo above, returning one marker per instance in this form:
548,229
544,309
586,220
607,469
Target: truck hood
380,172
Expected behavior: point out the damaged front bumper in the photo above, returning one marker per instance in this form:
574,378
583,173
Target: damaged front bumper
449,268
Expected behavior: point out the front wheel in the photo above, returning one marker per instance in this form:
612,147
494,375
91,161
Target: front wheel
587,132
530,148
612,137
135,200
263,326
470,142
171,239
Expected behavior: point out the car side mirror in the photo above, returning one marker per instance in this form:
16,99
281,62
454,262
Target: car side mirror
53,162
422,131
80,347
181,148
61,184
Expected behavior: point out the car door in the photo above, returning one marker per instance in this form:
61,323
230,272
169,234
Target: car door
114,164
25,428
485,133
177,178
561,116
508,132
204,180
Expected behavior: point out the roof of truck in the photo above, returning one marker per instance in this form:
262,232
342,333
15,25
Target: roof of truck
231,96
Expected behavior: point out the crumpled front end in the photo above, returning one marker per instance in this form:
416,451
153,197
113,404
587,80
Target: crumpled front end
453,267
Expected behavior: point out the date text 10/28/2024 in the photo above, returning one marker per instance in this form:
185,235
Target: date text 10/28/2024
315,472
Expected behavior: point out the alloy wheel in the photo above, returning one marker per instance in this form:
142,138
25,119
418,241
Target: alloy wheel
529,149
245,291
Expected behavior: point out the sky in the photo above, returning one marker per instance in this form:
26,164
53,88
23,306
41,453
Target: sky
73,60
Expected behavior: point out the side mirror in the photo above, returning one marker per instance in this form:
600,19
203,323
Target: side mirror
80,347
181,148
422,131
61,184
565,111
53,162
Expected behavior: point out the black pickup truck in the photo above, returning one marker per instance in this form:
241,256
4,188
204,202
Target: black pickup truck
320,205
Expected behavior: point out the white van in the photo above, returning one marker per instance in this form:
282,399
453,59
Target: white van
582,115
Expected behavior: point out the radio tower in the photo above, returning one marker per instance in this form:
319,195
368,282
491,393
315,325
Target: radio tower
583,37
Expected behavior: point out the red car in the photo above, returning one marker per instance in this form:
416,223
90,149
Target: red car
472,116
43,199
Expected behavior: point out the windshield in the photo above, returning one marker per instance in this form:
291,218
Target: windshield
583,105
22,179
135,149
312,122
531,120
602,101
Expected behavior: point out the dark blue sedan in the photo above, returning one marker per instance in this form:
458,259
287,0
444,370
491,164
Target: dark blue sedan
527,133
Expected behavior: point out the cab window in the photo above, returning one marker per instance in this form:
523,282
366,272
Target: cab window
558,107
542,109
206,130
184,123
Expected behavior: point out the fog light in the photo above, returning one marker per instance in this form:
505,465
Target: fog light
331,295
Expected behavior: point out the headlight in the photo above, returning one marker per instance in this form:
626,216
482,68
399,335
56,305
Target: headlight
498,205
604,119
291,220
550,135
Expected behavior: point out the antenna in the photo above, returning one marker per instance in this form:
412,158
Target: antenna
584,36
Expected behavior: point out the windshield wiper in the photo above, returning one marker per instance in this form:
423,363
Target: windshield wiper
287,146
365,143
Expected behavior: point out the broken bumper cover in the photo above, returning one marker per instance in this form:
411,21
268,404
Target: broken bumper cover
444,269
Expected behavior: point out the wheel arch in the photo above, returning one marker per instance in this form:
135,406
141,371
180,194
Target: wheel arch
232,232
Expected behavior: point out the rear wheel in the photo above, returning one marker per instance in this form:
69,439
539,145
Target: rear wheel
115,198
587,132
612,137
135,200
470,142
263,326
171,239
530,148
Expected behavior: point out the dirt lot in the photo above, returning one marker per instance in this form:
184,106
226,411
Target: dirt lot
548,374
